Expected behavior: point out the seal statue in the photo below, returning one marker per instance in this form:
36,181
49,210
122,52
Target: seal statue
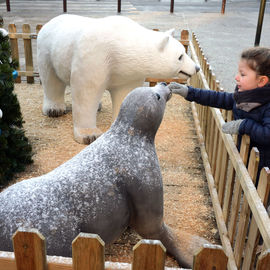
113,183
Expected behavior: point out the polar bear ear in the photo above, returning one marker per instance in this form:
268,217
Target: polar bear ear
170,32
163,43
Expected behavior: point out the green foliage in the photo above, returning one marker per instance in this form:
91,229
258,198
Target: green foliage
15,150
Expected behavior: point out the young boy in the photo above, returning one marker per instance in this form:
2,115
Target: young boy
250,102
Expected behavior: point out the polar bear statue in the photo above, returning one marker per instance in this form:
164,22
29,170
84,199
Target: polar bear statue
93,55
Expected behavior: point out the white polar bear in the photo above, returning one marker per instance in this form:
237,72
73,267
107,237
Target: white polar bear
92,55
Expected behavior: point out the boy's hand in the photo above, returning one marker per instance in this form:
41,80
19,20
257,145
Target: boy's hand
232,127
179,89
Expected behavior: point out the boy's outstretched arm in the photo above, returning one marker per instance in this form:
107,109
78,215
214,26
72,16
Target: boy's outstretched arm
223,100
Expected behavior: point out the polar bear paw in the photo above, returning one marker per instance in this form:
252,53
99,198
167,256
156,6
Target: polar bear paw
54,111
86,135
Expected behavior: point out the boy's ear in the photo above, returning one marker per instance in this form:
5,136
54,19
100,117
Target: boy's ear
263,81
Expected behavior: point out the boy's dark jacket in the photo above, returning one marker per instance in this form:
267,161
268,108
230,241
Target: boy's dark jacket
256,122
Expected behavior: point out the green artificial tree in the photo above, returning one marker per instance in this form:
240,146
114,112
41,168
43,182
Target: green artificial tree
15,150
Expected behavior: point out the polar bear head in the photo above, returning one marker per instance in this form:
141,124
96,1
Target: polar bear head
173,60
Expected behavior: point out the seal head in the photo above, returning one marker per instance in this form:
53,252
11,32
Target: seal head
143,109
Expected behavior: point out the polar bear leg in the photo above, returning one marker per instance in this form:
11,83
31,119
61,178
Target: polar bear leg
118,95
85,104
54,90
86,135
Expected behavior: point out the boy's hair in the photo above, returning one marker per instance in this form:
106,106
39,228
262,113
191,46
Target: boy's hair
258,59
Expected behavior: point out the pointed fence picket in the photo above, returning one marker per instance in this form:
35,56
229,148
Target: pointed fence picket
239,206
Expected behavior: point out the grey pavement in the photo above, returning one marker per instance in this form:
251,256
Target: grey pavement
222,36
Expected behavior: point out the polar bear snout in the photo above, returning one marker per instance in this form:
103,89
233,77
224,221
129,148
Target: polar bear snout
197,68
187,67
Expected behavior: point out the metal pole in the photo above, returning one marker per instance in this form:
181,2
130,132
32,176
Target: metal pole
223,6
65,5
119,6
172,6
8,5
260,23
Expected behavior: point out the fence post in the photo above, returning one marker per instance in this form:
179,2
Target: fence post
223,6
65,5
263,192
264,261
28,52
29,249
119,6
38,28
148,254
244,150
210,257
245,211
88,252
184,38
14,48
260,23
172,6
8,5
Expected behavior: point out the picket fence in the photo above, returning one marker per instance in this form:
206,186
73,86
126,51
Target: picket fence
239,206
88,254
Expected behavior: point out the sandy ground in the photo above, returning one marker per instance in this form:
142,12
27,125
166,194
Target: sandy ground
187,202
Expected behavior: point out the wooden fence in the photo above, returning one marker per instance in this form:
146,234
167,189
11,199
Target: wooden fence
88,254
239,207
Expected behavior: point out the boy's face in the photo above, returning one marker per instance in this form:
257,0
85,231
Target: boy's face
246,78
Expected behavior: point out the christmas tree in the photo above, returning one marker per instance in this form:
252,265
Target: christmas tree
15,150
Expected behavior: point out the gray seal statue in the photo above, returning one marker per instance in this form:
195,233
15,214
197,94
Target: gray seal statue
113,183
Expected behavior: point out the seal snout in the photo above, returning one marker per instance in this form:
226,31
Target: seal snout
169,94
162,90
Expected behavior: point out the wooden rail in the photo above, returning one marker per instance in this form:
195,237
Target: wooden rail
239,207
88,254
